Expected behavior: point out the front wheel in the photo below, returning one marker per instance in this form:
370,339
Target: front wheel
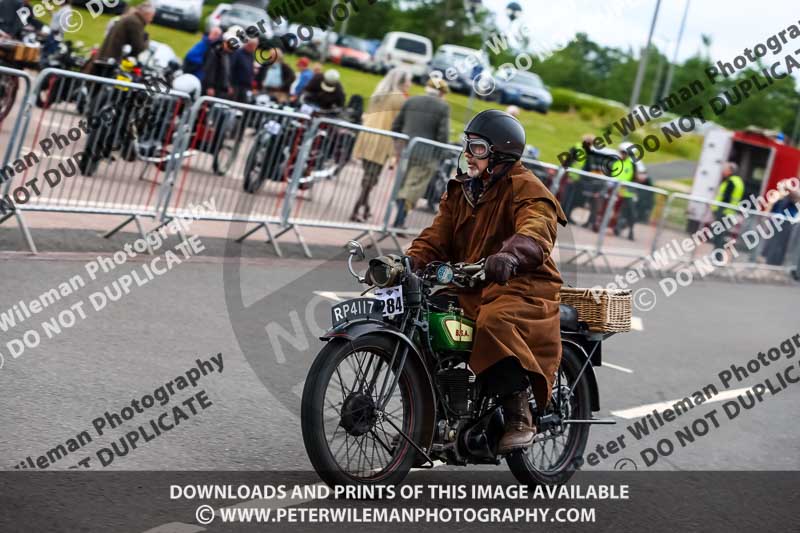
556,451
348,438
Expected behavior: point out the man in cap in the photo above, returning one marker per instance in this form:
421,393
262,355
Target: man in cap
325,91
304,76
426,116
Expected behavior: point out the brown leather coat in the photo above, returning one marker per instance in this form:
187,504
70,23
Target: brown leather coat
522,317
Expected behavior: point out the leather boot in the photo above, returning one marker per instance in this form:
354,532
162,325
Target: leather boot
519,428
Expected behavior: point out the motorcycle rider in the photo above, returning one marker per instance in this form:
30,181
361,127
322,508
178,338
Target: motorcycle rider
500,211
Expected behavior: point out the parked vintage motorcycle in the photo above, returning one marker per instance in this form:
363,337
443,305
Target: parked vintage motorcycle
66,56
392,389
277,146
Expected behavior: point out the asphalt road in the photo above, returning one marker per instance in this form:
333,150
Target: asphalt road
154,334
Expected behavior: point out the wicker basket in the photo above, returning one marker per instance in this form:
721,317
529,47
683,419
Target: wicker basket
605,310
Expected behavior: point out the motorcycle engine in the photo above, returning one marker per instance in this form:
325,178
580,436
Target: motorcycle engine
457,388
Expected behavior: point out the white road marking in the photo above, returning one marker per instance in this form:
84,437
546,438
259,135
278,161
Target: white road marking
640,411
637,324
617,367
339,296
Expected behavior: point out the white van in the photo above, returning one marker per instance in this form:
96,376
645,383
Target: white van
404,49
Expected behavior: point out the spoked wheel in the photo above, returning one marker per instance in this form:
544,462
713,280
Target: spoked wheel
348,437
227,147
553,457
8,94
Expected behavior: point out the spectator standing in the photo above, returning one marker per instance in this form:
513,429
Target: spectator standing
573,190
426,116
731,191
10,22
304,76
644,199
196,56
242,70
129,30
277,78
774,250
625,171
375,150
217,66
325,91
60,21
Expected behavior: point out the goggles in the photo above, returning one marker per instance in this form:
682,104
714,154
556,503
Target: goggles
477,147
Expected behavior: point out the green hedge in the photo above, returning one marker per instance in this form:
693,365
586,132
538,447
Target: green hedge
565,100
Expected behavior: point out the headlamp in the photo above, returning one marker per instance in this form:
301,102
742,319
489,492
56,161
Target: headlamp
384,271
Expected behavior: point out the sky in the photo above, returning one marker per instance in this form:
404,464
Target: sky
733,25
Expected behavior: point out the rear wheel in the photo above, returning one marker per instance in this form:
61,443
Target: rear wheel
556,451
227,147
8,94
254,169
348,437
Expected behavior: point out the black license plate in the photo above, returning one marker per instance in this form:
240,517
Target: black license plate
356,309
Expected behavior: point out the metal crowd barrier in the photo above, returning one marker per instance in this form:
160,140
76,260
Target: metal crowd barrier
239,156
750,232
422,175
15,102
94,145
334,189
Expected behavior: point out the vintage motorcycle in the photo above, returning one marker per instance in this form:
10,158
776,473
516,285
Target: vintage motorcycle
392,389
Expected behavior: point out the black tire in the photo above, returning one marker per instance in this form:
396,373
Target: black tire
9,85
254,168
398,454
226,147
524,465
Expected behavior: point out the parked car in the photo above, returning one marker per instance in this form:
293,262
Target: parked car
350,51
239,14
523,88
116,9
182,14
456,64
404,49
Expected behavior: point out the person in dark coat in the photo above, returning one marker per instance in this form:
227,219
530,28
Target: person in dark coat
426,116
325,91
242,71
276,79
217,79
129,30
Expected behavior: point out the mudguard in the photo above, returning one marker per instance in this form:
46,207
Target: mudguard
358,328
594,391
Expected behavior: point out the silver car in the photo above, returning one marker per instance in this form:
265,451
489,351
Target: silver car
182,14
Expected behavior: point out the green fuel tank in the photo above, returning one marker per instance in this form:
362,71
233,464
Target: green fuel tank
450,331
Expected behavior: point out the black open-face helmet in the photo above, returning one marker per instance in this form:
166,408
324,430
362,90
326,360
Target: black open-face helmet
504,133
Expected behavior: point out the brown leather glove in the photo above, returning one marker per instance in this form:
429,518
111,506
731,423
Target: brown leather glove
500,267
519,254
